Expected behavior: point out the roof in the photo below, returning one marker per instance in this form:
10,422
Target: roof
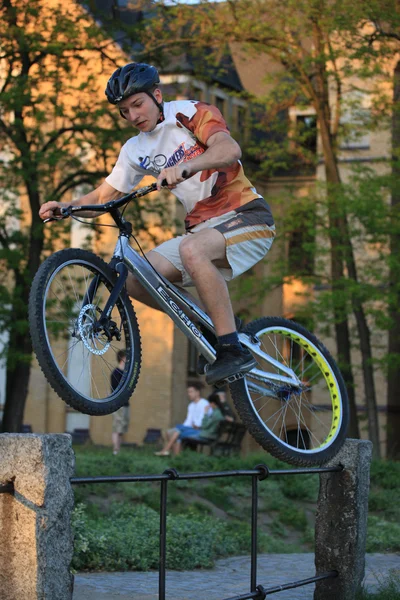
109,15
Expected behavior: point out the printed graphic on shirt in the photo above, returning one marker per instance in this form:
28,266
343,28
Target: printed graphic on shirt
155,164
160,161
181,137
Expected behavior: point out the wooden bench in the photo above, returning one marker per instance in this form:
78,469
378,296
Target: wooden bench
229,440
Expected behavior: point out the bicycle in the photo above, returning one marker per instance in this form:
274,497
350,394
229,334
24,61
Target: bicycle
294,403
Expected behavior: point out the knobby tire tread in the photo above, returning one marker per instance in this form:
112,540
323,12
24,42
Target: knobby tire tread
46,363
260,434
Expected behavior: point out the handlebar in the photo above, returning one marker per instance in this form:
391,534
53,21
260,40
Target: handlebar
66,212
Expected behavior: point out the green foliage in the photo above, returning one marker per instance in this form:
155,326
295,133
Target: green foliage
387,589
116,526
126,538
59,137
386,474
383,536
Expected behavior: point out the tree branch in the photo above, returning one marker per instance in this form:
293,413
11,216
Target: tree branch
71,182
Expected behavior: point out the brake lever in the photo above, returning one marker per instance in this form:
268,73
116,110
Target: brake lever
64,214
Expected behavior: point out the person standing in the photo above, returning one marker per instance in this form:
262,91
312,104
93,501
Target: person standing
121,416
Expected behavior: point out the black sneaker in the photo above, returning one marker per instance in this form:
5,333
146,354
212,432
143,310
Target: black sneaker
230,364
212,339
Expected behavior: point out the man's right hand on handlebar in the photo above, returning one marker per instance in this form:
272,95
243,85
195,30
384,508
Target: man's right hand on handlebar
101,195
51,210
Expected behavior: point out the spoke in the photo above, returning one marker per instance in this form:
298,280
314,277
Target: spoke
263,406
280,410
275,345
291,353
66,351
72,285
67,316
312,412
283,426
94,382
303,421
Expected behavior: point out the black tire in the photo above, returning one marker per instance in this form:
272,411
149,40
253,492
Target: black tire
269,411
76,360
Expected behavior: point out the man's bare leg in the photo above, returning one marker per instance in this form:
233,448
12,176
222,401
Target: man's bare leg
170,443
201,254
176,448
165,268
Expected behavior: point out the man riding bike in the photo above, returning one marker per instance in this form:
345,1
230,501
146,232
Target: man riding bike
229,226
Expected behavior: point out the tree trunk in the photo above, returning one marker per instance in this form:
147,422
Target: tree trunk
393,393
18,372
343,344
17,385
342,252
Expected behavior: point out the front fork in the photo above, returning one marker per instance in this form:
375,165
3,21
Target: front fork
120,268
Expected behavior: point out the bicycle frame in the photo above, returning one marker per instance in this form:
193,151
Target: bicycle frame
170,298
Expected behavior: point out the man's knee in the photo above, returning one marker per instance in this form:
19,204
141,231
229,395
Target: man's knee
190,252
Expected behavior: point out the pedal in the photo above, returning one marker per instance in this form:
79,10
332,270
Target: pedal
230,379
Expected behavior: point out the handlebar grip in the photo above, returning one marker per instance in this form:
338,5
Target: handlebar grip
59,213
185,175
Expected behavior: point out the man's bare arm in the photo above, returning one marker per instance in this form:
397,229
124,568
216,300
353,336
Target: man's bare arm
104,193
222,151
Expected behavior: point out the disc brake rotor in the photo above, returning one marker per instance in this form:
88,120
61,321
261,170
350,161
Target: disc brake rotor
93,340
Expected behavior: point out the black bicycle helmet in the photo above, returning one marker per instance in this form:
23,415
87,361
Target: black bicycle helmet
131,79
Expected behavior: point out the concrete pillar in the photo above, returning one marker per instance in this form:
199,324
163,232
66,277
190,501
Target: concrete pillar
341,522
36,543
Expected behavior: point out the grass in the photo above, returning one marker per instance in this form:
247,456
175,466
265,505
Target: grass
388,589
116,525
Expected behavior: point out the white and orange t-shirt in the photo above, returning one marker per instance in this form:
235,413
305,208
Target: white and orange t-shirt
183,135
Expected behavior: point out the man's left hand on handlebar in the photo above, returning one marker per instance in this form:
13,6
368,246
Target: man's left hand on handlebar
173,175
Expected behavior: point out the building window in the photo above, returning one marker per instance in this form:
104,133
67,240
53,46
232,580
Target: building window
306,132
354,121
199,94
301,247
192,359
241,118
220,104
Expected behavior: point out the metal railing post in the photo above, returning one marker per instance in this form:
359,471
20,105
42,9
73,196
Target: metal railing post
163,539
254,515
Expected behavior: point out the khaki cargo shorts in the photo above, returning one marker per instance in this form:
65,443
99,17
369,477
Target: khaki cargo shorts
121,420
248,237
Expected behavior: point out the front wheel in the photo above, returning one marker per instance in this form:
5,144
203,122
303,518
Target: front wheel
303,424
75,353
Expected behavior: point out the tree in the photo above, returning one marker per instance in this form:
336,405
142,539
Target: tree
386,34
318,44
56,134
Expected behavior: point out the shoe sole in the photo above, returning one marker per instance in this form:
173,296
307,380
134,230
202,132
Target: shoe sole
234,376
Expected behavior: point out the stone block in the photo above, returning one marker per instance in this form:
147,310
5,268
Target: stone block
341,522
36,536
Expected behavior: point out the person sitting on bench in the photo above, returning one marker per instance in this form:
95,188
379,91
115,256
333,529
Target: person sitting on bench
208,430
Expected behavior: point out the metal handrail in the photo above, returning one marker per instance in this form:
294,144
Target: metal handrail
259,473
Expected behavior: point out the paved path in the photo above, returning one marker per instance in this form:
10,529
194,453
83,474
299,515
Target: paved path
230,577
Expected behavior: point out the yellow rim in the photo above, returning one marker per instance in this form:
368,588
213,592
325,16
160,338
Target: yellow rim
329,377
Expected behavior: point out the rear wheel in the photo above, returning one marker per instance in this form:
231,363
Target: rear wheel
304,424
77,356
